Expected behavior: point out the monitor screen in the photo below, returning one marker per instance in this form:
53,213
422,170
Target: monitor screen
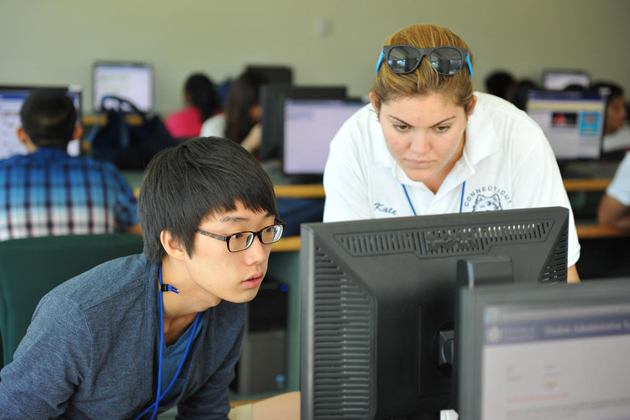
309,127
377,301
272,97
561,79
11,99
130,81
545,353
573,122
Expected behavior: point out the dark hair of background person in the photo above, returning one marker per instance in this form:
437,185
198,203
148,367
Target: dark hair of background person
498,83
202,94
200,178
615,91
244,94
519,92
574,88
48,117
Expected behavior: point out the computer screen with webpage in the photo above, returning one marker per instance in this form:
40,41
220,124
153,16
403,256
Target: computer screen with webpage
573,122
309,127
11,99
547,358
130,81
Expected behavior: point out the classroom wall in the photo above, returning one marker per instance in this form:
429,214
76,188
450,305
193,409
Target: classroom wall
56,42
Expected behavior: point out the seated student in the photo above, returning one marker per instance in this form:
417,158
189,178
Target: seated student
429,144
614,209
240,122
202,102
616,131
145,333
47,192
518,93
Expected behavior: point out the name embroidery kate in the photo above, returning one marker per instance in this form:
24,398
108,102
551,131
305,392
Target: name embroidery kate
381,208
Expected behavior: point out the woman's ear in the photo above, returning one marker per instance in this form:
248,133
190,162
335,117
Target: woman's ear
172,246
254,113
471,106
376,104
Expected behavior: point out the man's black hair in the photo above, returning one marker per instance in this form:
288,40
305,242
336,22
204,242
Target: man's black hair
203,177
613,90
48,116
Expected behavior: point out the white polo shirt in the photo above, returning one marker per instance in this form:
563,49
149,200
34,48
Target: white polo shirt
619,188
507,163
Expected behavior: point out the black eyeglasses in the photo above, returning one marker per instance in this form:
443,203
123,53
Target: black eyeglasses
240,241
403,59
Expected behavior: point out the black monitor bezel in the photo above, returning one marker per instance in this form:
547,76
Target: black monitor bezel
326,240
95,108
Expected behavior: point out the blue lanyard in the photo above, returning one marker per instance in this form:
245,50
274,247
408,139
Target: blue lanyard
179,368
461,202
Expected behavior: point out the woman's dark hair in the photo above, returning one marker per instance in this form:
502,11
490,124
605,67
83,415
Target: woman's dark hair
203,95
242,96
203,177
48,116
613,90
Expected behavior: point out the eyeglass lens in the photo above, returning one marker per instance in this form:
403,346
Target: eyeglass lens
445,60
241,241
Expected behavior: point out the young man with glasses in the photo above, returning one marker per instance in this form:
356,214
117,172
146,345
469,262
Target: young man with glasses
139,335
428,144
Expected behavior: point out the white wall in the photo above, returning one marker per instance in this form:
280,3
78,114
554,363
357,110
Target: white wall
56,42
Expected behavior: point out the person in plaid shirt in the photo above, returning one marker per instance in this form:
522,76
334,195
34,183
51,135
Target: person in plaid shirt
47,192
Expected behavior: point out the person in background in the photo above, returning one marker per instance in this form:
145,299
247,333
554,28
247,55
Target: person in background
616,130
240,121
202,102
498,83
47,192
429,144
614,208
139,335
518,93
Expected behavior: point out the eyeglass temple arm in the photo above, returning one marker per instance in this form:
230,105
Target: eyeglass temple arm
469,65
380,61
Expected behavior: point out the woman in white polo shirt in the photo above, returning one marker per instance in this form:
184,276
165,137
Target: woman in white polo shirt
429,144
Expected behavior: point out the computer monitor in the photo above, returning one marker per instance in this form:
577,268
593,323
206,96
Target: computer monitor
378,297
545,353
11,100
130,81
272,97
272,74
561,79
573,122
309,127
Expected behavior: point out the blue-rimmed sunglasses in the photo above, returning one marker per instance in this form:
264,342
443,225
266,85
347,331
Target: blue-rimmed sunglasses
403,59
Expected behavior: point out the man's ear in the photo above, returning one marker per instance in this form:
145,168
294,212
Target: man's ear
25,140
172,246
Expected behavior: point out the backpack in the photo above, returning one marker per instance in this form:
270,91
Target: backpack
128,146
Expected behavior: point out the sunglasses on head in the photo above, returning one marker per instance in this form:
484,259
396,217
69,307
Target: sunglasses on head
403,59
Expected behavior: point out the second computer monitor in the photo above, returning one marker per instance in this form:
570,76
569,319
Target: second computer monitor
130,81
573,122
309,126
545,353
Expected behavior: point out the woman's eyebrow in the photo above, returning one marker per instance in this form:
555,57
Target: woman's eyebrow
443,121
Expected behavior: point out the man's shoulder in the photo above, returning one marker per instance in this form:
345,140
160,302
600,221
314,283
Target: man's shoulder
126,276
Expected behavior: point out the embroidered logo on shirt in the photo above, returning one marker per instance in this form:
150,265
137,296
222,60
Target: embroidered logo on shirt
484,203
380,207
489,198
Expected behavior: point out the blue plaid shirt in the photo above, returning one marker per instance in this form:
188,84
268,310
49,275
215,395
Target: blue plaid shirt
49,193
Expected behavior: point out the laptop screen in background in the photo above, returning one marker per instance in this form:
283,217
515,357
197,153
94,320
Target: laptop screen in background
11,99
573,122
130,81
309,127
